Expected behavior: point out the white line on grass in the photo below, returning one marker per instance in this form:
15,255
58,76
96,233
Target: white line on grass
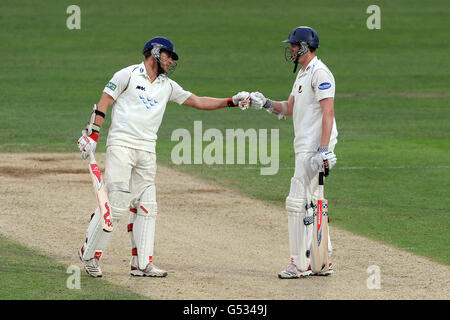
337,168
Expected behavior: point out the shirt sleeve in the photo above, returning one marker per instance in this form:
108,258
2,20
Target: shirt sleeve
118,83
178,94
294,89
323,84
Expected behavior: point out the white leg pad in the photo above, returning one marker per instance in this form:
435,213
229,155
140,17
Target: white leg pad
143,233
97,239
330,248
131,219
299,233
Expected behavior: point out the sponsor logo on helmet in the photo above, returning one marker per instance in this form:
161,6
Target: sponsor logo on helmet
324,86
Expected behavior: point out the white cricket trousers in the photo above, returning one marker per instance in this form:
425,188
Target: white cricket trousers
129,170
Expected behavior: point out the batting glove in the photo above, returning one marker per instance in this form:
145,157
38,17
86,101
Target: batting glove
257,100
323,160
87,144
242,100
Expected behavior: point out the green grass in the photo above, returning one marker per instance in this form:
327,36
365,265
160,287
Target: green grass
391,182
26,274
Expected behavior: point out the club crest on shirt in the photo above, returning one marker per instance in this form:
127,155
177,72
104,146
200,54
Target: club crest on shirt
148,103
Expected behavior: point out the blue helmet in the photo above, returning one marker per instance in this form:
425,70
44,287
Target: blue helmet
304,34
161,43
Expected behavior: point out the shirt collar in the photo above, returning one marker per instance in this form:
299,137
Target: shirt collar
311,64
143,72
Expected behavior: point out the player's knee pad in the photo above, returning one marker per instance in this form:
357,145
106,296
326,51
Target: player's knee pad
297,193
143,227
296,200
120,203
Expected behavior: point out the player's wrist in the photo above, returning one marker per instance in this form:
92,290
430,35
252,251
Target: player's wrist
230,103
94,136
268,104
322,149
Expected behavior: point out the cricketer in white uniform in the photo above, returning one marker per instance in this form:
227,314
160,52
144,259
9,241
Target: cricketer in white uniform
138,95
311,104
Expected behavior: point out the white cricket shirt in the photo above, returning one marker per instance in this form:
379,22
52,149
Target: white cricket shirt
313,84
139,106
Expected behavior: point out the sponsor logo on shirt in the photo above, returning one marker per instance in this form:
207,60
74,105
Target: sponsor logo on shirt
140,88
111,86
300,89
324,86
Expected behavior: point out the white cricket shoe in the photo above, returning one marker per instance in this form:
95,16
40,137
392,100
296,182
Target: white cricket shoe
292,272
91,266
150,271
326,272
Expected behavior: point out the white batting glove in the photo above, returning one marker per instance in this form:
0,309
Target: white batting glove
242,100
319,161
87,144
257,100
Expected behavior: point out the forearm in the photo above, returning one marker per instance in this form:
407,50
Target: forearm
278,106
327,121
105,102
208,103
98,115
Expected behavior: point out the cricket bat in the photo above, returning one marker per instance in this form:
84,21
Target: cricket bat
100,194
319,247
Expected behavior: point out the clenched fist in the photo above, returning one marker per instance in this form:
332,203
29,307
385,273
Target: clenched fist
87,144
242,100
322,160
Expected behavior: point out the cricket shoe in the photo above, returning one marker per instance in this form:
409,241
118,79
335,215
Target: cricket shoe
326,272
292,272
150,271
91,266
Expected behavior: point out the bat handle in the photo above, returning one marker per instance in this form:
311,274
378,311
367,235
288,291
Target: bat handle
92,158
321,179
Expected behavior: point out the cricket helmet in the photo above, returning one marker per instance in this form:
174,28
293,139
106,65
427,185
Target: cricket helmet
304,34
157,44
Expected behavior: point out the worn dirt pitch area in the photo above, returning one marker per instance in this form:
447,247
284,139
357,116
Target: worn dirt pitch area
215,243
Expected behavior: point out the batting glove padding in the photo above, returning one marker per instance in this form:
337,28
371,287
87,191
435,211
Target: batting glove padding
242,100
257,100
87,144
321,159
